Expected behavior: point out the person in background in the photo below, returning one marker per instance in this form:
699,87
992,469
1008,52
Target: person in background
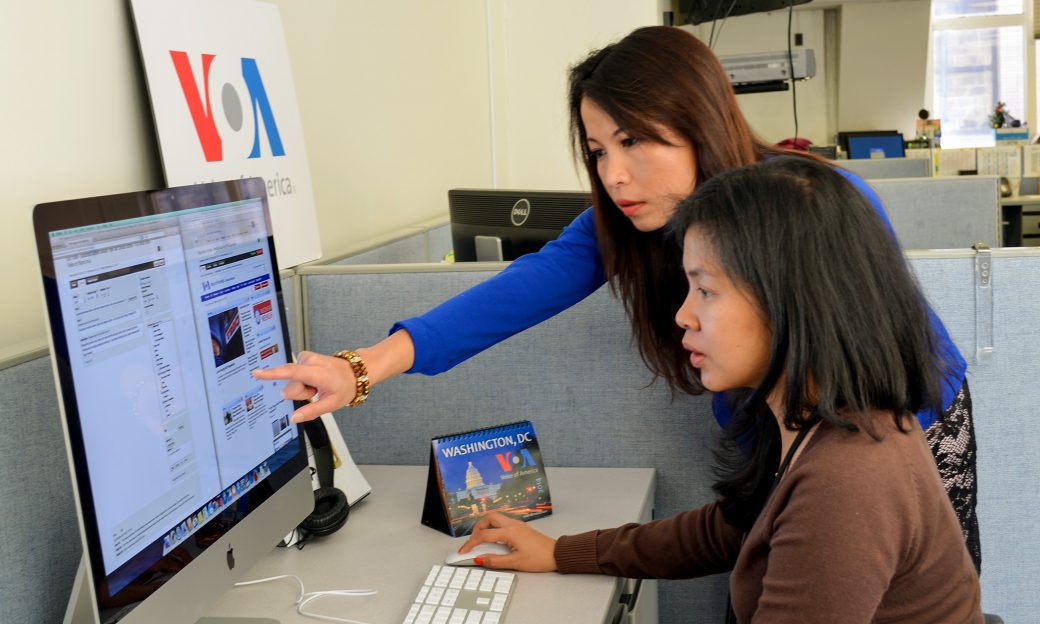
802,309
653,116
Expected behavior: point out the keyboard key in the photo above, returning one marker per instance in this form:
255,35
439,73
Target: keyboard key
435,595
414,611
444,576
488,584
421,597
473,581
458,616
442,615
432,575
492,617
450,596
459,579
504,584
426,614
499,602
474,617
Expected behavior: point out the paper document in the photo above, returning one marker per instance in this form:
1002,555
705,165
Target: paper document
1030,161
953,161
1000,161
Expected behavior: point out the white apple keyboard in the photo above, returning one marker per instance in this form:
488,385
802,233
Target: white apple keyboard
459,595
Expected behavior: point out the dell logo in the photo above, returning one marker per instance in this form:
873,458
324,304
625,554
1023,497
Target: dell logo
521,210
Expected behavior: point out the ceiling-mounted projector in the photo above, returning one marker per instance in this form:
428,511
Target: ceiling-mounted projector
768,71
699,11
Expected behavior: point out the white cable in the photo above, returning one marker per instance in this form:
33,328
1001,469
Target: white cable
305,597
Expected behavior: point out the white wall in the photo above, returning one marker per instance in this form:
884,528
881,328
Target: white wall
394,103
771,115
535,42
884,47
76,123
393,100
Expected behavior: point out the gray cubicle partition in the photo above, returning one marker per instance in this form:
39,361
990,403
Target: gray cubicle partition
579,379
943,213
40,547
416,245
994,324
876,168
576,377
292,299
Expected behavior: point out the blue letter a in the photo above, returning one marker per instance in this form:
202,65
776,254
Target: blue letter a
258,98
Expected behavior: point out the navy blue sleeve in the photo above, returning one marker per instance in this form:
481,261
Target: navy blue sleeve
955,366
530,290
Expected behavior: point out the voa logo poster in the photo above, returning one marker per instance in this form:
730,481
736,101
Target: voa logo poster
224,106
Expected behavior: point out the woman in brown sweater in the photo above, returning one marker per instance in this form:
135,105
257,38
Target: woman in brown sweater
830,507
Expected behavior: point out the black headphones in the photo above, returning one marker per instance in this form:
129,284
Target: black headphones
330,504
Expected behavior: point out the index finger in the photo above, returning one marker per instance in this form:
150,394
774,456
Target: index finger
283,371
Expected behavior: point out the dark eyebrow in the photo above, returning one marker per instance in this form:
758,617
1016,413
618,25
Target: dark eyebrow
613,134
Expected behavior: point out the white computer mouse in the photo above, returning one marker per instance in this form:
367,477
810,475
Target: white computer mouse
466,559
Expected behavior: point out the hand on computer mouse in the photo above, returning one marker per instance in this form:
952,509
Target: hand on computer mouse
531,551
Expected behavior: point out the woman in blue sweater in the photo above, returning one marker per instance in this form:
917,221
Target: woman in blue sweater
651,116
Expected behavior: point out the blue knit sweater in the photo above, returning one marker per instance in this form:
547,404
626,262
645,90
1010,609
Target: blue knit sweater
540,285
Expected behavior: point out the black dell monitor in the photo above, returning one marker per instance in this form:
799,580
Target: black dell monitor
872,144
495,224
185,469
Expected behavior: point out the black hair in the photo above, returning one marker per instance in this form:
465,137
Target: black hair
851,335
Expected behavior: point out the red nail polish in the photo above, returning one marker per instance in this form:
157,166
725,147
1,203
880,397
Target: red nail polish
479,560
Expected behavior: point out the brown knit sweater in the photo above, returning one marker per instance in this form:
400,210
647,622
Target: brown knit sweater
858,530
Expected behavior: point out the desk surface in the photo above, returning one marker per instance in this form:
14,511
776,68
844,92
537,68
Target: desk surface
1020,200
383,547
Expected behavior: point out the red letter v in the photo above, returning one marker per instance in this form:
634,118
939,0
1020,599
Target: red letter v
202,118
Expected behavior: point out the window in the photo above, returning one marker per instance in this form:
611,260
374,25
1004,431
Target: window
980,53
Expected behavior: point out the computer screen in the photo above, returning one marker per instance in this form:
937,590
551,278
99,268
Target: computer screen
495,224
186,469
873,144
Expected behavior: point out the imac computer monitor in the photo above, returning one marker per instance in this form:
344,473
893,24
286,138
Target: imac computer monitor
186,470
495,225
872,144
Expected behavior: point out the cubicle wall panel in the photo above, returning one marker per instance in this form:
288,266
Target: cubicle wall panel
41,544
404,250
1006,402
438,240
577,377
292,314
877,168
942,213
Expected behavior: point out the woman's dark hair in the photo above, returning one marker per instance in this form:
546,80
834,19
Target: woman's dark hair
656,77
850,329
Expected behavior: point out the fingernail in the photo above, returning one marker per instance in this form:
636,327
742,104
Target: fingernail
479,560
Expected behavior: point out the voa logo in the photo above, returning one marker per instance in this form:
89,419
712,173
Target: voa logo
206,121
